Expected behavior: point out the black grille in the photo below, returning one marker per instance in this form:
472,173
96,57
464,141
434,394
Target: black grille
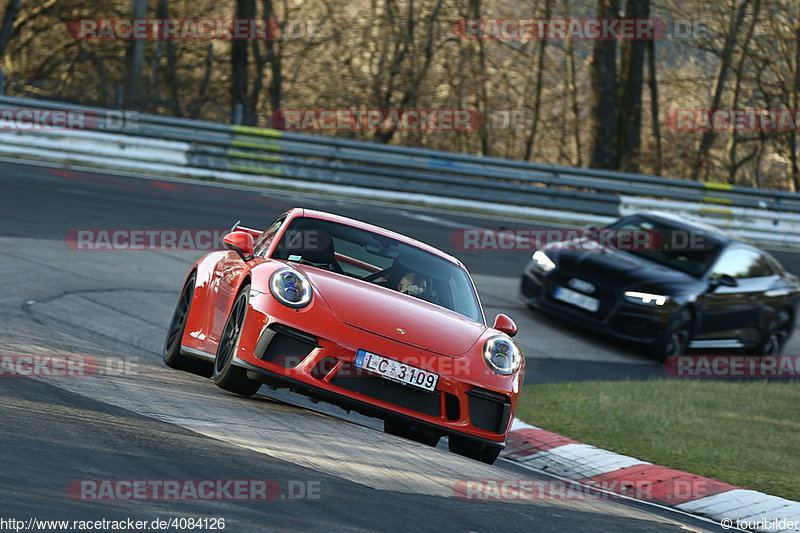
633,325
356,380
284,346
529,288
489,410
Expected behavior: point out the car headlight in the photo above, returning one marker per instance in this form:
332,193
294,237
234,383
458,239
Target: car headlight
502,355
645,298
290,288
543,261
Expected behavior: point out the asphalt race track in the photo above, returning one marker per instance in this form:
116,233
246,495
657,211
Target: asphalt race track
135,419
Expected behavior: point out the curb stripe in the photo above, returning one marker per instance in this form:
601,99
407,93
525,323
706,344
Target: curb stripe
525,442
578,461
538,439
740,503
690,493
667,486
518,424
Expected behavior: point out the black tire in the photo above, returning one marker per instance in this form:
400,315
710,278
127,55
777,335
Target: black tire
485,453
173,357
777,334
412,432
676,337
226,375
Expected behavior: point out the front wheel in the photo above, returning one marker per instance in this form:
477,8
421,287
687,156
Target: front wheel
777,334
226,375
485,453
676,337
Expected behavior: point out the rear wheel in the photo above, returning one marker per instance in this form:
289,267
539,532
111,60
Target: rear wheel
485,453
172,344
777,334
226,375
676,337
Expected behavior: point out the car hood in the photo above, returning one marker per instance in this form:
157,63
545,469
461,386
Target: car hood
394,315
619,269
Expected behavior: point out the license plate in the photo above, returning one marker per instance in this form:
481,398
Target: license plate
396,371
577,299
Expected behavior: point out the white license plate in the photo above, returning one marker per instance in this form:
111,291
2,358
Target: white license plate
577,299
396,371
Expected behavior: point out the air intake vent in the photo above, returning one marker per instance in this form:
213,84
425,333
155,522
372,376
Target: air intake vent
284,346
489,410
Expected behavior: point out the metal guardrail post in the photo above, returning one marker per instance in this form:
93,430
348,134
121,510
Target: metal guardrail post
238,114
118,96
2,81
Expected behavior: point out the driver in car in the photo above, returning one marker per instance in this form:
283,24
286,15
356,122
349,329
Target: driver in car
414,284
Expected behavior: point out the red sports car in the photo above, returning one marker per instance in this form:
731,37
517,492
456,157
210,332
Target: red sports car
358,316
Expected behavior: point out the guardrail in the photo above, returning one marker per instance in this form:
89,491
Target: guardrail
191,148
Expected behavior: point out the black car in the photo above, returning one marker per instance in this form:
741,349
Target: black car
697,286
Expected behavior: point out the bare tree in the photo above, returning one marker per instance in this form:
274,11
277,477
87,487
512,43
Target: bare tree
240,59
537,99
395,54
629,111
793,139
604,89
410,60
7,28
572,87
273,57
733,162
655,115
135,59
170,73
701,159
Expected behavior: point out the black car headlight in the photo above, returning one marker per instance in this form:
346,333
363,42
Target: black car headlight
646,298
543,261
502,355
290,288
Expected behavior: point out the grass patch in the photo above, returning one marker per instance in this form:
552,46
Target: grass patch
743,433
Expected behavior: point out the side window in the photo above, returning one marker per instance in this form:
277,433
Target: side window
266,238
742,263
777,268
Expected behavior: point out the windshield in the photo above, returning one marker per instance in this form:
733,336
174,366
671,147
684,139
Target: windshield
692,251
379,260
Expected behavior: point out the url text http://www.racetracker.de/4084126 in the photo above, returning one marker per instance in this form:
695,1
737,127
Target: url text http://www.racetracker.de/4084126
181,523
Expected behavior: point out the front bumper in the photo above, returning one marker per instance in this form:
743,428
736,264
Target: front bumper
281,349
616,317
365,407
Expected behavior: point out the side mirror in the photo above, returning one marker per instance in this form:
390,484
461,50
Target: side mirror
505,324
240,242
723,281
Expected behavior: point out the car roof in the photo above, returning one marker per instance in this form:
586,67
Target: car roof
322,215
687,223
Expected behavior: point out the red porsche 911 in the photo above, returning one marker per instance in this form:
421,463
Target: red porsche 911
358,316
